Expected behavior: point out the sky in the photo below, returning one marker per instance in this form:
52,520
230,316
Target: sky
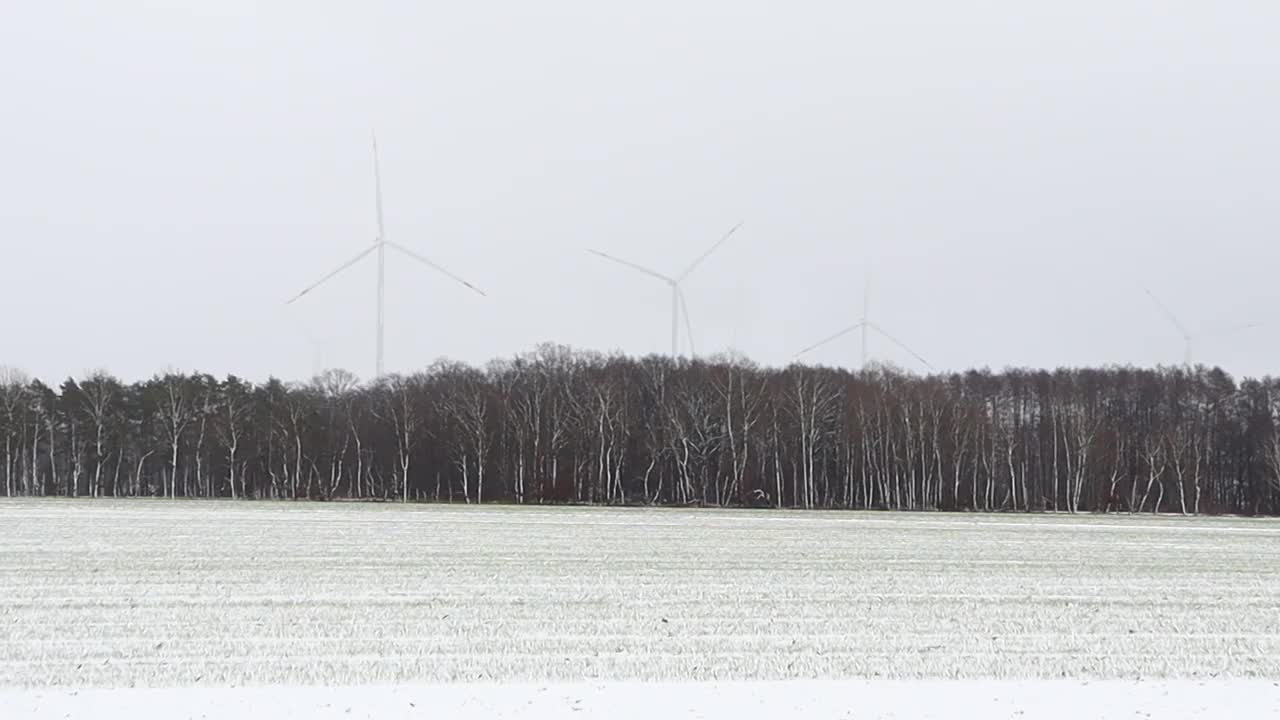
1010,176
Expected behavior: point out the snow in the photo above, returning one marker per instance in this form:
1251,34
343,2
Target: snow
901,700
204,597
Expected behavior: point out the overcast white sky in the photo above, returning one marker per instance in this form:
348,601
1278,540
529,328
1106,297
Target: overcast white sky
1015,173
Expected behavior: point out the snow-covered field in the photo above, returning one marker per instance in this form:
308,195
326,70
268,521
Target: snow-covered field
216,594
845,699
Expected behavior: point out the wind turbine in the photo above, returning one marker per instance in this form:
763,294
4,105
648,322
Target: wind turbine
314,343
380,245
679,306
865,324
1188,337
317,352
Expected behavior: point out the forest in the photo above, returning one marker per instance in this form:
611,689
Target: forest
556,425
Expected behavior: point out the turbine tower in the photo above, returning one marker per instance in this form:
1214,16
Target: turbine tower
865,324
380,245
679,307
1188,337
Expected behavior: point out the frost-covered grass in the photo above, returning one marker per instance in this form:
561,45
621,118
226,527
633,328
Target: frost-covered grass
172,593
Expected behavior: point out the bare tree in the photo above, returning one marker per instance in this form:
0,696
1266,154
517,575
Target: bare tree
98,394
14,400
464,401
234,412
398,405
175,406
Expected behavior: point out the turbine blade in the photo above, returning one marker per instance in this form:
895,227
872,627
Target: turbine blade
377,186
866,294
1186,334
824,341
1229,329
710,250
688,326
634,266
341,267
900,344
434,266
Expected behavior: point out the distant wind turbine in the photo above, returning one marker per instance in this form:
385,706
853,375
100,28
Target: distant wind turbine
380,245
317,352
1188,337
679,307
315,344
864,324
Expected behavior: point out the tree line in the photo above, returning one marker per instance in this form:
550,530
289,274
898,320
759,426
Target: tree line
558,426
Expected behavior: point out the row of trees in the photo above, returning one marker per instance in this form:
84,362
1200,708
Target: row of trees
556,425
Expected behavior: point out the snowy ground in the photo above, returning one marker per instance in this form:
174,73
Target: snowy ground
211,595
847,700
